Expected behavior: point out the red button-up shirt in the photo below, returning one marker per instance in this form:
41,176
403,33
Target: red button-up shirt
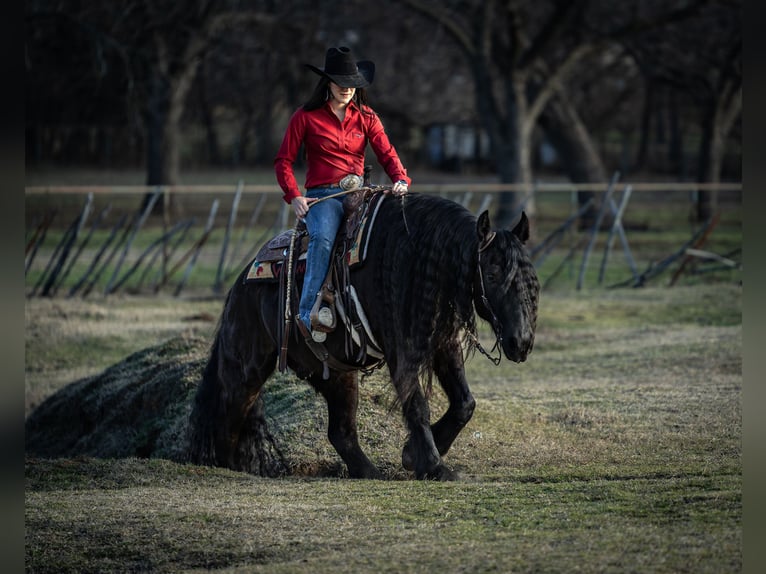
333,149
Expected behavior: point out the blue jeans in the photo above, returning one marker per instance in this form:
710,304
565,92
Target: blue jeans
322,223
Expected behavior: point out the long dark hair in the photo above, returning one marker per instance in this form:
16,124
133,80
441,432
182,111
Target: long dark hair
321,94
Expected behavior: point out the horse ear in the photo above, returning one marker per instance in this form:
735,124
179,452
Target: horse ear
522,228
484,229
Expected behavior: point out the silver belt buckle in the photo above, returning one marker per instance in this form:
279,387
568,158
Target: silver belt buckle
351,181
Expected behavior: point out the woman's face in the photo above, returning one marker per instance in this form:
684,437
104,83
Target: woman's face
341,95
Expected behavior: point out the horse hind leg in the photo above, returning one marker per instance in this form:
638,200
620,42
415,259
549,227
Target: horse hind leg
341,391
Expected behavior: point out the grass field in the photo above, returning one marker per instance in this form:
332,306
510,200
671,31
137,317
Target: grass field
615,448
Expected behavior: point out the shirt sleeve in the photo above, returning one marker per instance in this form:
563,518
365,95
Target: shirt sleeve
384,151
287,154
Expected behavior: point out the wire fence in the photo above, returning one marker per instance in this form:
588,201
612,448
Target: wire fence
83,241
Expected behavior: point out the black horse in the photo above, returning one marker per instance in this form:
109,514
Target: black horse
430,267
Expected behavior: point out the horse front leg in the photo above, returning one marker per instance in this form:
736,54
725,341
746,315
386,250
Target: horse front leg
420,453
450,370
341,391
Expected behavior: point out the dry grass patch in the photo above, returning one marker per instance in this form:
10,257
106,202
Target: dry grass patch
615,447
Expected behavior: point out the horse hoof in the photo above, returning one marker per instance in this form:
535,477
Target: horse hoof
441,473
407,459
367,472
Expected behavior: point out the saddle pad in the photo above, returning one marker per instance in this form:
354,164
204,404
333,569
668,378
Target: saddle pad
270,270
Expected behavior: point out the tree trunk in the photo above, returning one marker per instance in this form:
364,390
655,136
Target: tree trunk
717,125
156,114
510,150
708,169
646,124
579,155
211,135
676,144
167,101
244,137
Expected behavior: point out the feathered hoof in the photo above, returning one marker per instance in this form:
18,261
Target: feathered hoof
408,460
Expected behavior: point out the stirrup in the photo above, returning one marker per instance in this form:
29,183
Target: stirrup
325,317
322,316
316,336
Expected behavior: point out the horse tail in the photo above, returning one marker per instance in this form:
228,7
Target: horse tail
206,412
227,424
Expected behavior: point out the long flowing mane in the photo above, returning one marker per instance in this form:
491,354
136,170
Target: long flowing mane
426,250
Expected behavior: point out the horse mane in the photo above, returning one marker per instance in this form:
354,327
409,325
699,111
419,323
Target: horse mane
426,270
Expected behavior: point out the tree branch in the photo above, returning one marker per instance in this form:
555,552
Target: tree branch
553,84
439,15
550,31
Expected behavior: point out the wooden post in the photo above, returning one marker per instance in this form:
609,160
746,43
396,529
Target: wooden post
617,227
82,246
198,247
139,223
596,226
37,239
96,259
162,271
157,244
217,286
235,253
699,242
557,234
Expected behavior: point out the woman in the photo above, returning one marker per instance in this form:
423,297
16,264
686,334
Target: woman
335,125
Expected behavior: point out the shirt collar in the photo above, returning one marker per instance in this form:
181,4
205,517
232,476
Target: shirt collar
351,105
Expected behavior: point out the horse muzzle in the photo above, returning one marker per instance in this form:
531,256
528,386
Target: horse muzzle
517,350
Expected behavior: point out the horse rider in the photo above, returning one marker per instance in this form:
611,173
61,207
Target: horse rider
334,126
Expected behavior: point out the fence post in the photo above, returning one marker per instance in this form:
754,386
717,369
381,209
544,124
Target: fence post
232,218
149,206
83,244
596,226
198,248
96,259
617,226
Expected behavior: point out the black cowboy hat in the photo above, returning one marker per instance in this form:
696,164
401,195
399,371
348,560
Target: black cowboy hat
339,67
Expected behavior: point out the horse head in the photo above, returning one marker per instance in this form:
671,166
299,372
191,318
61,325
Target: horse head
507,289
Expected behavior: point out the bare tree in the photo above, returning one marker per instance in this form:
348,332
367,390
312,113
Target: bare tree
698,57
511,49
523,56
159,44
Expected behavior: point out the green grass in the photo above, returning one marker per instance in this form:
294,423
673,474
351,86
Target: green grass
167,517
615,447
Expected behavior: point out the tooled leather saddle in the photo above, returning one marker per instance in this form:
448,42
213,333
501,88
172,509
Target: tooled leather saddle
337,305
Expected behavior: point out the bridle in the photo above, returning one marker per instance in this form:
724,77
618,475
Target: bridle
496,326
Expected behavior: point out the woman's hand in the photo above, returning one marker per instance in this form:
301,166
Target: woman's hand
301,205
399,188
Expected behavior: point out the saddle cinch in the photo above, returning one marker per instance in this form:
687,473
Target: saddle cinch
337,304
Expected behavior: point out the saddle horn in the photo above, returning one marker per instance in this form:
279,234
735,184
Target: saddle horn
367,182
